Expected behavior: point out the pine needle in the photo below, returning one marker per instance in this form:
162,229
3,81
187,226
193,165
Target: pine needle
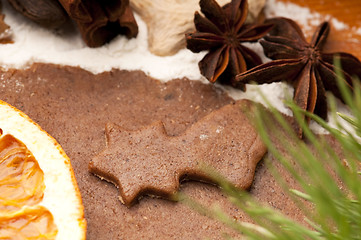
330,182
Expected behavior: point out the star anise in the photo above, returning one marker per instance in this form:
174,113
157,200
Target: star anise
221,30
302,64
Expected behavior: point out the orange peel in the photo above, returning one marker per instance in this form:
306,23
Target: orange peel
49,203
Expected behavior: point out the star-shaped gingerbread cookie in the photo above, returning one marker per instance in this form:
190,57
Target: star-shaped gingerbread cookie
148,161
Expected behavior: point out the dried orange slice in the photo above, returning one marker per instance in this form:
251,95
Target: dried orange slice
39,196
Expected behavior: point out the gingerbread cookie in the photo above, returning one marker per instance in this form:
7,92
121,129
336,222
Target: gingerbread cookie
150,161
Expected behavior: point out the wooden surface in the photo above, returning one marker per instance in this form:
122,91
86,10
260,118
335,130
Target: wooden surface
346,11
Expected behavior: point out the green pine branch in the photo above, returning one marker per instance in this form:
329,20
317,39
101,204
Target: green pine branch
329,182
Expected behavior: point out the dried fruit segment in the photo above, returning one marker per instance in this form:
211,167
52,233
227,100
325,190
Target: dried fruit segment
39,198
32,223
22,186
21,179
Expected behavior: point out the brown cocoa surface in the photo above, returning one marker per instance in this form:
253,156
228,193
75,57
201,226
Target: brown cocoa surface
74,106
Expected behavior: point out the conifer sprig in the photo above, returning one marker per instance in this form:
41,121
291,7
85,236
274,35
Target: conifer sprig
330,182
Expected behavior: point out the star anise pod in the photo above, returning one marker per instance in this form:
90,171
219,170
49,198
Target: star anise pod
303,65
221,31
